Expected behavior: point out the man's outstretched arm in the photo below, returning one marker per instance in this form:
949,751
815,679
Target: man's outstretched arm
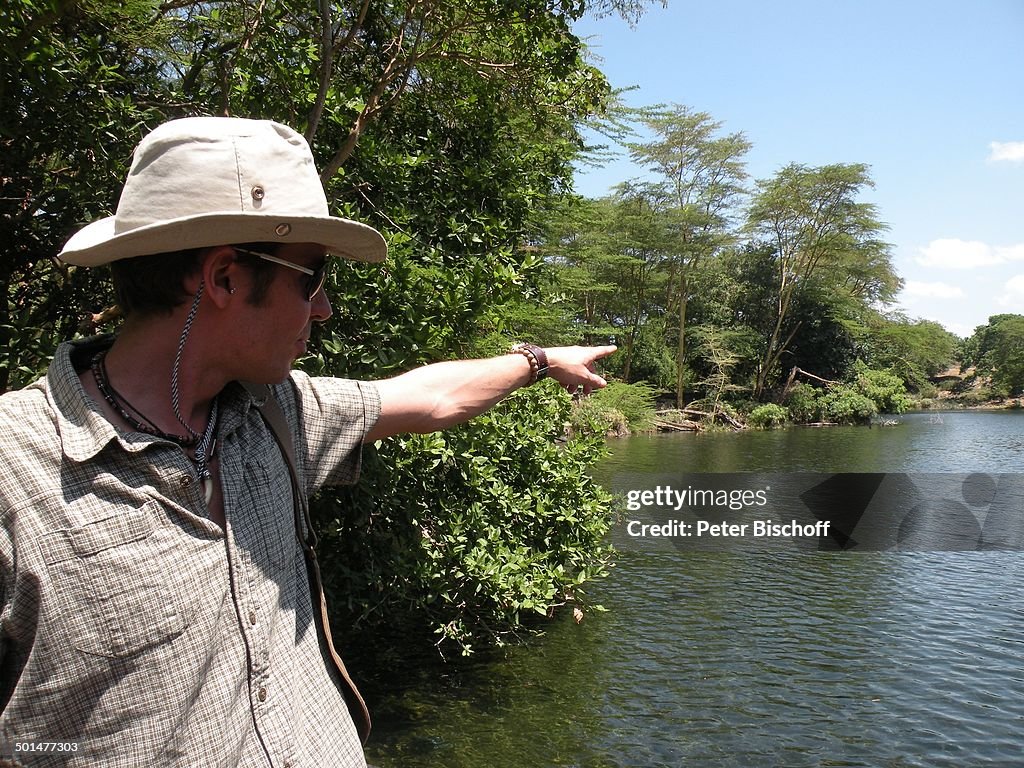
444,394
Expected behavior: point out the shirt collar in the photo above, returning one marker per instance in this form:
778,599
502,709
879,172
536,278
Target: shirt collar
84,430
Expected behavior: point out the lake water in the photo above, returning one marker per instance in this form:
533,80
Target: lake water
772,658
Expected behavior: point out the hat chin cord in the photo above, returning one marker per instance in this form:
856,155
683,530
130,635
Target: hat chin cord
205,443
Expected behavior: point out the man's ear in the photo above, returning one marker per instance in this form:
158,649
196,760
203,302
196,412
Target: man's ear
220,273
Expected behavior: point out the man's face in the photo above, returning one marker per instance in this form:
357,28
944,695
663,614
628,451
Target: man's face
276,331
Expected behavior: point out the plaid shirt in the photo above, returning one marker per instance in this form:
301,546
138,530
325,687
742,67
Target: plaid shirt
133,627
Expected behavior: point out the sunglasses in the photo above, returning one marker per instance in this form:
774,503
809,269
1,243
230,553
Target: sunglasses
317,277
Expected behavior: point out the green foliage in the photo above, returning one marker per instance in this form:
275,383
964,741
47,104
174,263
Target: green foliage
74,92
824,329
978,396
821,235
716,354
651,360
845,405
768,416
617,406
914,351
471,531
884,388
803,403
997,349
867,393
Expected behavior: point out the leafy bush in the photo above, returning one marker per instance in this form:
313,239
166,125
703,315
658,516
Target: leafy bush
606,409
803,403
471,531
768,416
978,396
885,389
845,405
592,418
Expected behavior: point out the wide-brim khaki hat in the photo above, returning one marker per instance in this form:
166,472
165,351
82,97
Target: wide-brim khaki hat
207,181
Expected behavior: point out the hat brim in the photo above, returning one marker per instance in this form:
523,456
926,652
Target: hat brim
98,243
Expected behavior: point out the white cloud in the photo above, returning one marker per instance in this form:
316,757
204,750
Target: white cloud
958,254
1014,295
960,329
950,253
933,290
1006,152
1011,252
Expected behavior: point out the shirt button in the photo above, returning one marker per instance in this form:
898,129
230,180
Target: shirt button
185,481
262,695
252,618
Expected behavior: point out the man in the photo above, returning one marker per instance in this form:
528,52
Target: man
156,608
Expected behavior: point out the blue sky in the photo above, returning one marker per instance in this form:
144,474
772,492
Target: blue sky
928,93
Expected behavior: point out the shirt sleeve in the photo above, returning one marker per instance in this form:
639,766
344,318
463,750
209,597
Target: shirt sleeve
331,418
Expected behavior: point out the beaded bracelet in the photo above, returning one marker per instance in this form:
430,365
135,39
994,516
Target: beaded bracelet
537,358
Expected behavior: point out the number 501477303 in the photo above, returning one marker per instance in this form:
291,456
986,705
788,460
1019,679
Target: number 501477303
45,746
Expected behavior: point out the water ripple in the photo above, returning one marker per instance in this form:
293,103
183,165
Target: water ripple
817,660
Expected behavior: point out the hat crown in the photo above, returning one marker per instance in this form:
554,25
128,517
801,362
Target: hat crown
202,182
201,166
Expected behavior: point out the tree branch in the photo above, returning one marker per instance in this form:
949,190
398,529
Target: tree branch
372,105
326,69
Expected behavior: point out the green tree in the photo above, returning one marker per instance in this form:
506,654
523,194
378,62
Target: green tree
627,259
817,227
884,388
702,174
572,238
997,350
719,347
73,93
916,350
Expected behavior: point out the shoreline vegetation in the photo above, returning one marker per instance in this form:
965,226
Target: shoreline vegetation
624,409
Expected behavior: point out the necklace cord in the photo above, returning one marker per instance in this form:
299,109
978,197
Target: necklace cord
121,406
205,443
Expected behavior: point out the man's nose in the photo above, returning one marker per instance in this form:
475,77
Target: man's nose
320,310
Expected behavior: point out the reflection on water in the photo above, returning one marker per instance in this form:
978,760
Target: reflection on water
963,441
766,659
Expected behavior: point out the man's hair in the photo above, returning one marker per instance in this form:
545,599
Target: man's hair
155,284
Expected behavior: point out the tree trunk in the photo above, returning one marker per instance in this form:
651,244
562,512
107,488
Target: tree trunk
681,350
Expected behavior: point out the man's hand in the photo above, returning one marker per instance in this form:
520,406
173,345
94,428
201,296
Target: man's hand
573,367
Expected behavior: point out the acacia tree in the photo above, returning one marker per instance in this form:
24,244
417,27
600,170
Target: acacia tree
636,247
572,238
818,229
914,350
703,174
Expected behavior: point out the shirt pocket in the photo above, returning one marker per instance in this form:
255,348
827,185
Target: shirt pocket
120,584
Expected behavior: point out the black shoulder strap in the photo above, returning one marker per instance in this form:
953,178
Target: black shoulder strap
274,417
